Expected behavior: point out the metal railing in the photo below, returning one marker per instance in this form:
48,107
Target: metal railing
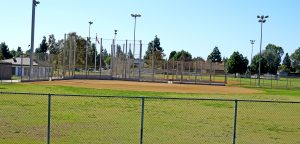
161,119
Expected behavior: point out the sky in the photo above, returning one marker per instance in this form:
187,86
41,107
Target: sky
196,26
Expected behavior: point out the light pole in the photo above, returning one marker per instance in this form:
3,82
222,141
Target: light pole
34,4
261,20
90,23
88,41
96,51
153,53
115,34
113,54
252,43
135,16
114,45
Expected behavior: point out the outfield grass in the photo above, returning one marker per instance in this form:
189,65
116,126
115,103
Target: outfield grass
23,118
282,83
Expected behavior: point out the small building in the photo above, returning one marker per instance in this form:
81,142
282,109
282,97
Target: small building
21,66
5,71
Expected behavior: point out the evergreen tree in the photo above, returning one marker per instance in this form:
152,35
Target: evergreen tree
4,50
1,56
120,53
130,55
19,52
172,54
215,56
52,45
158,50
43,46
287,63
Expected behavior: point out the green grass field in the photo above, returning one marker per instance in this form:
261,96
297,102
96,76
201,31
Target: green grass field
23,118
282,83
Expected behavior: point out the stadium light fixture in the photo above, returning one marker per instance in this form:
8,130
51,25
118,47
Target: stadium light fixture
135,16
262,19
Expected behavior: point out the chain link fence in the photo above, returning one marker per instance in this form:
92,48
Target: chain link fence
56,118
266,81
268,122
23,118
79,58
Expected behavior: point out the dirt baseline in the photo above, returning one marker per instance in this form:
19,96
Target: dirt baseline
153,87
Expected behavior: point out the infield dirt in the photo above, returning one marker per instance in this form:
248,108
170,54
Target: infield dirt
153,87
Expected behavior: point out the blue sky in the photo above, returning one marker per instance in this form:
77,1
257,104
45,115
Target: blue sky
196,26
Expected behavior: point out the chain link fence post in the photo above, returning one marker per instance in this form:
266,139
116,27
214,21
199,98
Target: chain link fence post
287,82
49,118
234,121
271,81
142,120
140,60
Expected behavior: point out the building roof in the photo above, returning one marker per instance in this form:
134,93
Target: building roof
2,62
18,61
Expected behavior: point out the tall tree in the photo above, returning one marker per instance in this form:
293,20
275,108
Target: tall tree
273,60
120,53
91,55
215,55
19,52
5,51
279,52
172,54
130,55
43,46
287,63
295,57
13,53
1,56
52,45
107,61
80,51
255,64
106,58
183,56
198,58
158,50
277,49
237,63
103,56
27,52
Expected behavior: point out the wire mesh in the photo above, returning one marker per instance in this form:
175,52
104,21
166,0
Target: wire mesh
176,121
95,120
268,122
23,118
117,119
269,81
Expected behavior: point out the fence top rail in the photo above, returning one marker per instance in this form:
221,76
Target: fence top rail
147,97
